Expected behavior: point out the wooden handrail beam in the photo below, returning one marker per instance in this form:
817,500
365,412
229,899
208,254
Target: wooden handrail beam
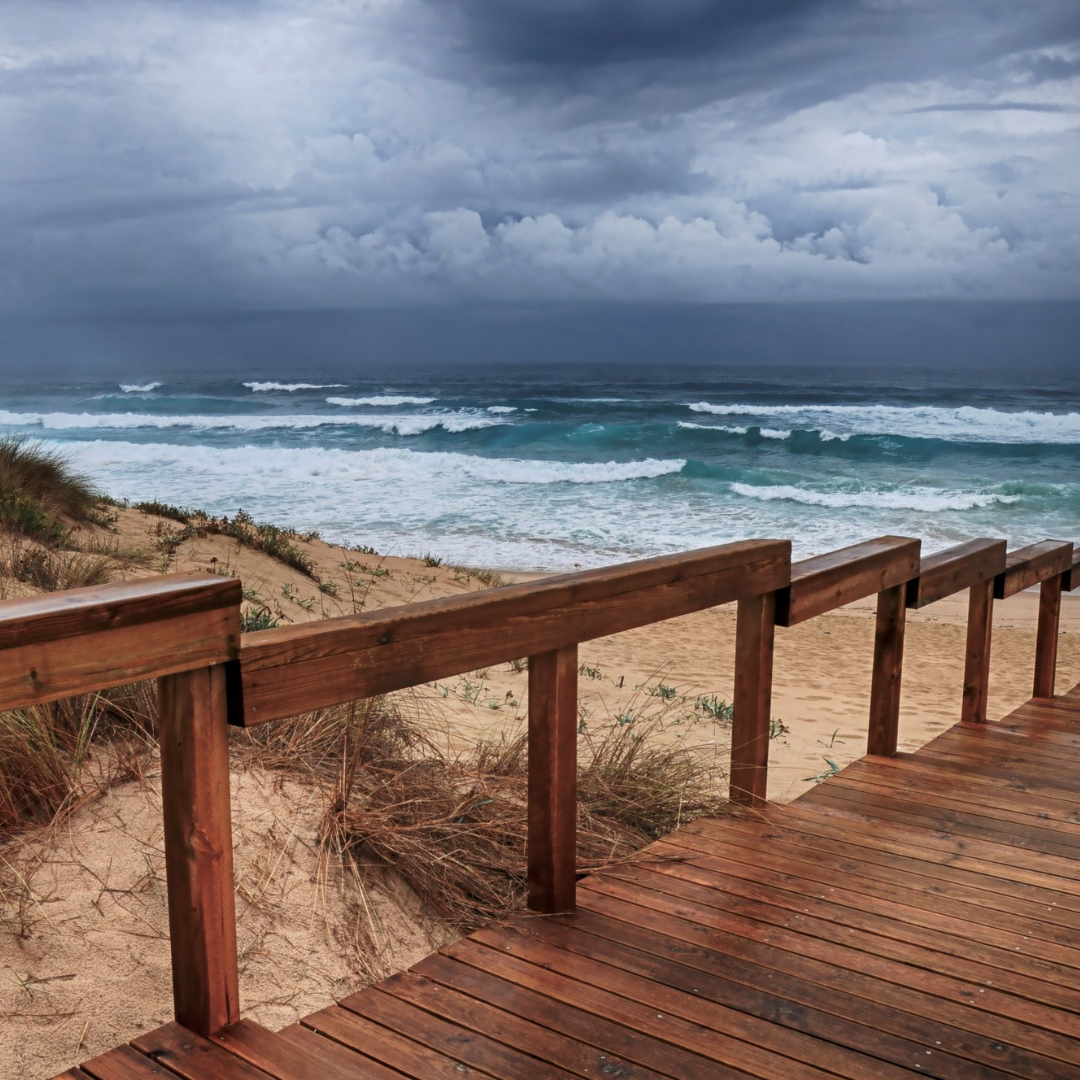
955,569
82,640
1030,565
295,669
1070,580
830,581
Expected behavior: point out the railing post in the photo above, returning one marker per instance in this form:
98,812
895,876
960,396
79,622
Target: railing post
754,637
198,848
977,656
888,668
1046,643
552,838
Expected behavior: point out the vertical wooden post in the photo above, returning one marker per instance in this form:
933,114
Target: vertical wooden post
754,637
888,668
552,841
977,656
1046,643
198,848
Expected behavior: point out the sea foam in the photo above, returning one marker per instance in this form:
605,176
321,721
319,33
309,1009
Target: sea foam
290,387
391,400
139,388
966,423
930,500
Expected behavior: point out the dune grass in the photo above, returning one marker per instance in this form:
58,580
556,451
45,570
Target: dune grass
40,493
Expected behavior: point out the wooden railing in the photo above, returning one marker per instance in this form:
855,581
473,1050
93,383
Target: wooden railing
184,631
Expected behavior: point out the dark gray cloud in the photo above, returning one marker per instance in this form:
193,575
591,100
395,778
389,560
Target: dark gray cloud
211,160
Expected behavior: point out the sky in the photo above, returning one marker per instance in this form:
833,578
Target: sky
452,176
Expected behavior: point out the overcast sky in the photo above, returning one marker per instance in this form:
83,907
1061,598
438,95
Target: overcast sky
206,161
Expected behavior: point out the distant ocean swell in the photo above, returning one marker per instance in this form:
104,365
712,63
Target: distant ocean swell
509,470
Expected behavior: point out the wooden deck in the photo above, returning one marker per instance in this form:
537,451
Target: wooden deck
914,915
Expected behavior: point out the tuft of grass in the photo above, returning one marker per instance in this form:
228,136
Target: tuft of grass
165,510
49,569
40,492
45,750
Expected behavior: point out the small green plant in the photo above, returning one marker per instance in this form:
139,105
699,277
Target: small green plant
257,618
328,587
432,560
624,718
590,671
777,727
832,770
519,665
662,691
165,510
715,707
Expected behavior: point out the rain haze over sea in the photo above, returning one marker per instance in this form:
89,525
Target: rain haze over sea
555,468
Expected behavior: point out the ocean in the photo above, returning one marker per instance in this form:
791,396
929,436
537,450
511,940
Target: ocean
555,468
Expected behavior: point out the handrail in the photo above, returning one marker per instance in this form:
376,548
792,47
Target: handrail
61,644
294,669
184,630
1032,565
974,566
955,569
1070,580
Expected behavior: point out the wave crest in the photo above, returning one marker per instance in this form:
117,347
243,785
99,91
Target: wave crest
916,498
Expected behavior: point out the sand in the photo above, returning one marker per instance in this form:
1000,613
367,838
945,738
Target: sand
83,924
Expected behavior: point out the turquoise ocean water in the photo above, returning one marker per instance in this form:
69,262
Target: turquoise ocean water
560,467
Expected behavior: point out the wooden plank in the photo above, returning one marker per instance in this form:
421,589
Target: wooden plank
195,1058
911,902
888,670
1030,565
295,669
656,1021
855,1024
405,1053
622,1044
123,1063
83,640
977,652
754,640
198,848
663,989
1070,580
963,824
332,1054
869,932
829,581
290,1059
1023,865
943,883
467,1048
1046,640
955,569
37,620
552,810
831,968
549,1055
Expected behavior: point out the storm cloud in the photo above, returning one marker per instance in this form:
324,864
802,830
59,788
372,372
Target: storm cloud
200,159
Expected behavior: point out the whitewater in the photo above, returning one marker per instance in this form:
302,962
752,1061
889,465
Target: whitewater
557,468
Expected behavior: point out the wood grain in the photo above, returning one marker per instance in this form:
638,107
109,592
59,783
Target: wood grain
754,640
1046,639
552,821
955,569
198,848
116,634
295,669
888,669
830,581
1030,565
1070,580
977,652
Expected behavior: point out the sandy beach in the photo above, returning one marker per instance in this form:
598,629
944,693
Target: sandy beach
84,946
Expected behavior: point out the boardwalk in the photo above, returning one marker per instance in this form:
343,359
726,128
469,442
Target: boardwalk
913,915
